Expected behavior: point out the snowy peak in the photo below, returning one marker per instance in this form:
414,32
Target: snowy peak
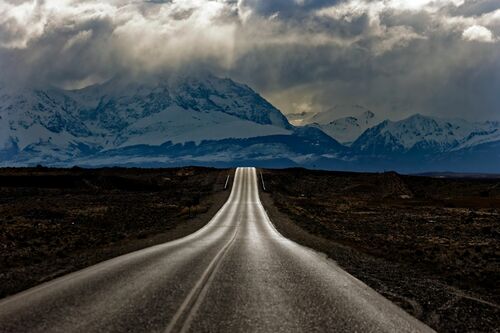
347,129
423,133
123,99
124,112
178,120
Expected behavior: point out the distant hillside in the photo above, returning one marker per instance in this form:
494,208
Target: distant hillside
208,121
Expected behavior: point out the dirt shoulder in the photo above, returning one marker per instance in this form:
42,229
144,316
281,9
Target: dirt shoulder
55,221
429,245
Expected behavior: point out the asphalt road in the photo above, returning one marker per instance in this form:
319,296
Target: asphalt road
237,274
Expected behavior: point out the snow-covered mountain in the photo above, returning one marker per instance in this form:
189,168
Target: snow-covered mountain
417,143
57,125
425,134
205,120
345,130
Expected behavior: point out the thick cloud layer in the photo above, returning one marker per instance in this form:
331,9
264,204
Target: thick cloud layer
437,57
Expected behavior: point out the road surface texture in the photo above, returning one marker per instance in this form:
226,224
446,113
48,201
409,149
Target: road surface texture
237,274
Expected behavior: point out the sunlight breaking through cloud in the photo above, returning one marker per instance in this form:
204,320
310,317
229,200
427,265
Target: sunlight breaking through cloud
317,52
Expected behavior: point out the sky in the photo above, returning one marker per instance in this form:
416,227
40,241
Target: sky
395,57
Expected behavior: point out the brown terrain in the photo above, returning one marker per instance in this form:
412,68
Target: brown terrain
430,245
54,221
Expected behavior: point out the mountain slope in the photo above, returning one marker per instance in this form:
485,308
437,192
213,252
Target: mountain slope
422,134
54,125
204,120
301,147
345,130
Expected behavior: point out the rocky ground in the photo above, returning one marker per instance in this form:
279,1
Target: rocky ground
430,245
54,221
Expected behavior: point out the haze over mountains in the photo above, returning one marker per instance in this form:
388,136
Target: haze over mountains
205,120
346,130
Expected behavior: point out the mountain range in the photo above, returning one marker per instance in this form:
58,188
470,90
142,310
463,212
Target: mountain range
206,120
347,129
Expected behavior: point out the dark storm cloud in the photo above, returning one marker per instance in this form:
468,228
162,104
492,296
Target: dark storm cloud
60,56
286,8
438,57
432,77
75,43
397,60
476,7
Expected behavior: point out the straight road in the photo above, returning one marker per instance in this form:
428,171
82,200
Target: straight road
237,274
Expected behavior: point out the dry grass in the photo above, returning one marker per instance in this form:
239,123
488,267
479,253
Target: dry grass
445,230
54,221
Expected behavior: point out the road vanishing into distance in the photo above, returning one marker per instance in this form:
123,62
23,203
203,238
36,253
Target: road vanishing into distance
237,274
